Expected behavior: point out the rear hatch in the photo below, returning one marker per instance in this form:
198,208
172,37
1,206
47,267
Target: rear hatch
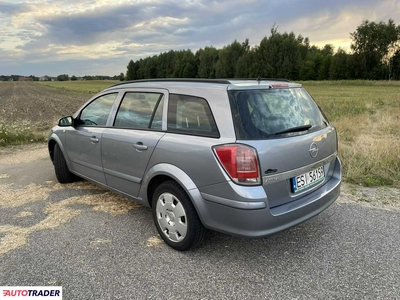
294,142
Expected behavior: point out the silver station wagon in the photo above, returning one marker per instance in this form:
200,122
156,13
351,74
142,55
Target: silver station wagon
244,157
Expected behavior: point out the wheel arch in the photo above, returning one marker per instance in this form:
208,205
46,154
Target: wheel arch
52,142
164,172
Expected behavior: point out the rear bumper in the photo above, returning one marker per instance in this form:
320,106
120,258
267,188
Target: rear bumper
255,219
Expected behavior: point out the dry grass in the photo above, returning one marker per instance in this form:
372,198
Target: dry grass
24,214
10,197
100,241
57,213
367,118
154,241
382,197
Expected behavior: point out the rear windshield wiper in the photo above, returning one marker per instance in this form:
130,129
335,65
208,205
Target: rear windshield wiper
294,129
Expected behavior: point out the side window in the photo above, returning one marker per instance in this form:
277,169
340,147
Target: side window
136,111
191,115
96,113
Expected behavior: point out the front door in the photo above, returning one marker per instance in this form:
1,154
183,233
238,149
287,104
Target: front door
84,141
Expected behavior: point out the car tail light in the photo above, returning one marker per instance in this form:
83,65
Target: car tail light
240,162
279,85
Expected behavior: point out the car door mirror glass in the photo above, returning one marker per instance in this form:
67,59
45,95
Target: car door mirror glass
66,121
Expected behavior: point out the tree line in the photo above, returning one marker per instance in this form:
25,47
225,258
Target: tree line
63,77
375,55
16,77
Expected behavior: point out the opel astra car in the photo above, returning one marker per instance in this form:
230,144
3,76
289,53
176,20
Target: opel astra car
247,158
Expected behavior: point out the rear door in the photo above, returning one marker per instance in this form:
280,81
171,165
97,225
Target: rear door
130,142
294,141
83,142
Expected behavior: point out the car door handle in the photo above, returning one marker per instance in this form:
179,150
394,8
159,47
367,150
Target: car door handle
94,140
140,146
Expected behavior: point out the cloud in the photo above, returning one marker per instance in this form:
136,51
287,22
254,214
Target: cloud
62,31
333,23
13,8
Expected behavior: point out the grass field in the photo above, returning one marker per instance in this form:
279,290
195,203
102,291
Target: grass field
365,113
367,117
83,87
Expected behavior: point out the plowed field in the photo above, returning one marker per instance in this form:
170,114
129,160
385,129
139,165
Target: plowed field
35,104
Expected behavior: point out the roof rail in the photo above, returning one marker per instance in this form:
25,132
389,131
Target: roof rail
266,79
217,81
203,80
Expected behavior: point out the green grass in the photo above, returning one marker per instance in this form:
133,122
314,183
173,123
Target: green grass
341,101
357,82
83,87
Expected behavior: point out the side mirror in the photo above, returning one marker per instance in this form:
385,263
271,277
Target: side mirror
66,121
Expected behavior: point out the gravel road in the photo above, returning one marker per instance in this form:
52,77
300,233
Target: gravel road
98,245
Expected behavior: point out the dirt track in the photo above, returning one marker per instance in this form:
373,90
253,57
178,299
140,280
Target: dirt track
28,101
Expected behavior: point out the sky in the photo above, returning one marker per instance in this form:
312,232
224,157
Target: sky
88,37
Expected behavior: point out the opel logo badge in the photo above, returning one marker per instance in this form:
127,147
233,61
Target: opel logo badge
313,150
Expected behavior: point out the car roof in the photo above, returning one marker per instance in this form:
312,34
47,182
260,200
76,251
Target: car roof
226,84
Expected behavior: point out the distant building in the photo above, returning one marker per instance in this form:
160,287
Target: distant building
44,78
25,79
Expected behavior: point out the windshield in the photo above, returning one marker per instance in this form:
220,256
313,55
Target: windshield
263,114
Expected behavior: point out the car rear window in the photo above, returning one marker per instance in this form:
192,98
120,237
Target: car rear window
264,114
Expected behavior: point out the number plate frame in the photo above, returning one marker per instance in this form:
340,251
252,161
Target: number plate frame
308,179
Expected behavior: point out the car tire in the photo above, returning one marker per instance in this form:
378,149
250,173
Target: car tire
61,168
176,218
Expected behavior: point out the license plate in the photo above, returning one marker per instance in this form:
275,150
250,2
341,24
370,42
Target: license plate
308,179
